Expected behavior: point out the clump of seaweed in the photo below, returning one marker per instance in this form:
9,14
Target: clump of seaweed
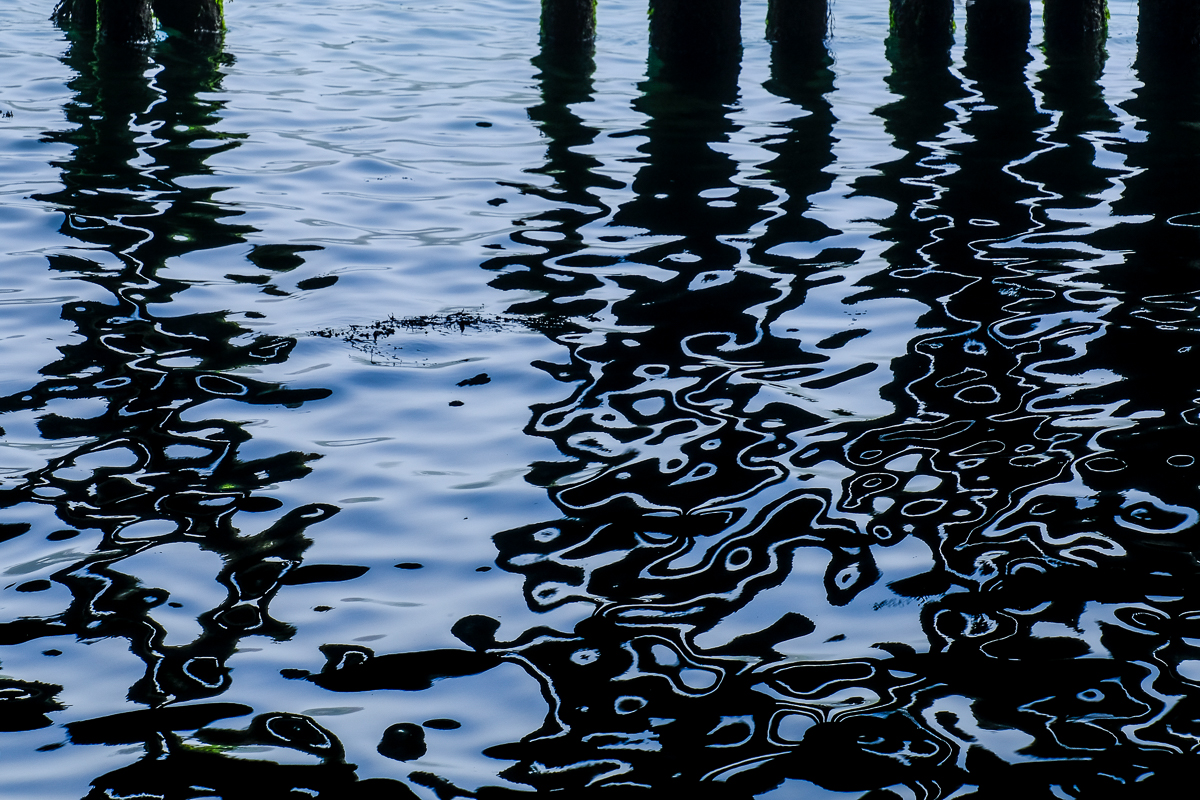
373,337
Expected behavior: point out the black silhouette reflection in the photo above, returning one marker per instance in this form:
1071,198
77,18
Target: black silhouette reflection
1054,608
143,462
905,519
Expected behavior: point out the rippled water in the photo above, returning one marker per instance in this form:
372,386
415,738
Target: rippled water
390,411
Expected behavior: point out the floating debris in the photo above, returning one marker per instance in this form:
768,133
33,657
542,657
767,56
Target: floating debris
372,337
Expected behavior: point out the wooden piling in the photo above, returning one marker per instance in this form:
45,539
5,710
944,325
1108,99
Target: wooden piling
695,31
1169,28
797,23
125,21
998,27
80,14
568,24
194,19
925,21
1075,24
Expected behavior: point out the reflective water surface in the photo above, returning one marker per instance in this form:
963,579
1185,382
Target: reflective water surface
390,409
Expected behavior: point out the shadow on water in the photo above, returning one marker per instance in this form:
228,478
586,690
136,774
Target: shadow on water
141,458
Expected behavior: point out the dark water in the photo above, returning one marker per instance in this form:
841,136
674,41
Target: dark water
389,410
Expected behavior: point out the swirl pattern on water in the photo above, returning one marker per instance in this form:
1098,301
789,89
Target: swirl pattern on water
769,435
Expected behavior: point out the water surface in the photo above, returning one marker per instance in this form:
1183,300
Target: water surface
392,410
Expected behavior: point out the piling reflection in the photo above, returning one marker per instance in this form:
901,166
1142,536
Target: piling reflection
144,460
182,765
802,158
1008,467
679,502
909,521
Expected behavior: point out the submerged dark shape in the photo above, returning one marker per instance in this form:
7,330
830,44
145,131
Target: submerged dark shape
208,761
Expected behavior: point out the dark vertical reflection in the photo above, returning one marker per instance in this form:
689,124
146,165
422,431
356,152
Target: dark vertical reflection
678,501
144,461
1142,475
925,88
802,157
1156,287
960,145
565,78
1020,494
1166,104
1035,509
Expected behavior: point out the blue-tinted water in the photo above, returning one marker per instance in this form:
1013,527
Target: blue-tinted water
389,410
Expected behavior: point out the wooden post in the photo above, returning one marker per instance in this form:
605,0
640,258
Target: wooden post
191,18
1075,24
1169,28
78,13
125,21
998,27
695,31
568,23
797,23
930,21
